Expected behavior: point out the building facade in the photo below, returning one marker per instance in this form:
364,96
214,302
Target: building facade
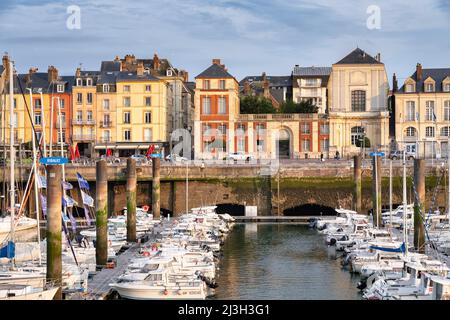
422,114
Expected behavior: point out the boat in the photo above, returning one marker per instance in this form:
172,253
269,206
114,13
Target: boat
26,292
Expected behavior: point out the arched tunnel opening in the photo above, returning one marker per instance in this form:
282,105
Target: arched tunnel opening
310,209
231,209
166,212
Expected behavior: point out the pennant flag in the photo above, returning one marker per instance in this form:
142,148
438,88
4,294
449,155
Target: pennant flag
87,199
73,221
42,182
68,202
82,182
86,214
66,185
44,205
65,217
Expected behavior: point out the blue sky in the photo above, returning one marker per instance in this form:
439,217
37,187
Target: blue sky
250,36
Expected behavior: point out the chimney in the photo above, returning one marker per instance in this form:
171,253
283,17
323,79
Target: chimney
140,69
419,72
216,61
247,88
156,62
266,87
6,65
129,58
117,58
394,83
78,73
185,75
378,57
52,74
264,77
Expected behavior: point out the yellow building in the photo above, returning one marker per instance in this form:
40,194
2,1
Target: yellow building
106,115
422,113
358,93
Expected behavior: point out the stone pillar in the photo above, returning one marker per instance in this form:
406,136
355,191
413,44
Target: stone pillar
357,160
419,204
131,200
376,194
101,211
54,227
156,187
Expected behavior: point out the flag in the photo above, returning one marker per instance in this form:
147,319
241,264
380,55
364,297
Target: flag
87,199
66,185
150,150
86,214
68,202
82,182
71,153
42,183
77,152
44,205
73,221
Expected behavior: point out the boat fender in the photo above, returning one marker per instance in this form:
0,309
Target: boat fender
146,254
166,292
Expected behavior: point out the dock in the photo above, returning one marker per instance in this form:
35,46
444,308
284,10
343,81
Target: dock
280,219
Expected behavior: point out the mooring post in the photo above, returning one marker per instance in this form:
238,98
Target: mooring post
419,205
156,187
376,190
131,200
357,177
54,228
101,211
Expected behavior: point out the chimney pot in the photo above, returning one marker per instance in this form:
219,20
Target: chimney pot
419,72
216,61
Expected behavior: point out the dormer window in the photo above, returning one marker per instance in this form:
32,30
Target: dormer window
410,87
79,82
89,82
447,87
429,87
60,88
106,88
169,72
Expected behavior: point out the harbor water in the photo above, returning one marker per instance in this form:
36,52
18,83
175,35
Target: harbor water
281,261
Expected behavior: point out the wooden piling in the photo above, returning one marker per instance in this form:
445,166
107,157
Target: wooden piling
357,178
101,211
419,205
156,187
376,190
131,200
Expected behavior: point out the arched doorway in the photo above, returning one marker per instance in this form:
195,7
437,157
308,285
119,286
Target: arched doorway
283,144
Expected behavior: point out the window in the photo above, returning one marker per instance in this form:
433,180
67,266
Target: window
241,144
89,82
410,111
79,98
15,103
127,135
311,82
305,128
429,132
429,87
60,88
126,88
444,131
106,136
89,98
37,119
37,103
206,130
447,87
148,101
106,88
126,101
106,120
63,118
410,132
357,134
409,88
324,144
62,103
79,115
62,136
429,111
358,101
260,129
260,145
306,144
222,84
148,117
222,129
126,117
447,110
148,88
206,84
89,116
324,128
147,135
222,105
38,135
106,104
15,120
79,82
207,105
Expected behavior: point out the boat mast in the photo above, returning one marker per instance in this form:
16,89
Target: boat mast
448,162
390,197
405,227
11,146
43,124
36,173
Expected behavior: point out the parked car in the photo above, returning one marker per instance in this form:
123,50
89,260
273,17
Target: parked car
398,154
236,156
176,157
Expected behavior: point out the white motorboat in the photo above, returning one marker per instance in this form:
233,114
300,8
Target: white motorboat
26,292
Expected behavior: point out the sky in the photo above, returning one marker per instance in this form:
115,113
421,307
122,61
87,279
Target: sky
249,36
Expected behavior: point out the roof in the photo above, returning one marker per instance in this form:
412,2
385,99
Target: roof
132,76
215,71
311,71
107,77
437,75
274,81
358,56
110,66
190,86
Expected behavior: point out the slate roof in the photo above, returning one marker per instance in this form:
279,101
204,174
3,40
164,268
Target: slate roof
274,81
107,77
132,76
110,66
358,56
311,71
215,71
438,75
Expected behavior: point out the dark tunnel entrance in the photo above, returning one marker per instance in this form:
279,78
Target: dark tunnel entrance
310,209
231,209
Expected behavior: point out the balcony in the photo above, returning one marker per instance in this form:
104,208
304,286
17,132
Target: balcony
62,125
77,122
279,116
89,122
105,124
84,137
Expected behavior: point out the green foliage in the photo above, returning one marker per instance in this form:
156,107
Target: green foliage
366,144
255,104
301,107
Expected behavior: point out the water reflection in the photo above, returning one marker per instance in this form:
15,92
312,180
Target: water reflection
281,261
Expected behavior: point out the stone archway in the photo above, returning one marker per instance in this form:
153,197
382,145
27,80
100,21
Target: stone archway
284,144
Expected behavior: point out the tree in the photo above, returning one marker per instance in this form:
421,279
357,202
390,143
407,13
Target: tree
360,144
255,104
305,106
